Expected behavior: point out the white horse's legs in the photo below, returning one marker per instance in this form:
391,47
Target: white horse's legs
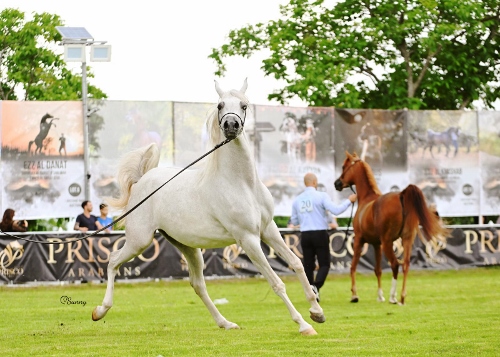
251,245
195,263
116,259
273,238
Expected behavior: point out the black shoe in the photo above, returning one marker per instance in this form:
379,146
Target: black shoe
315,291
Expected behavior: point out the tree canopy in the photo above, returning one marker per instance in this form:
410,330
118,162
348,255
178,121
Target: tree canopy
29,68
386,54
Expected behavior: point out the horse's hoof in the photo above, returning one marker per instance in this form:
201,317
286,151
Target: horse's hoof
309,332
319,318
354,299
381,299
95,317
393,301
230,326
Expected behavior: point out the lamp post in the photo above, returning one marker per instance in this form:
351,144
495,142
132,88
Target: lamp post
75,40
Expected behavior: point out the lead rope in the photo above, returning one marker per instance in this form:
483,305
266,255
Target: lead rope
348,224
129,211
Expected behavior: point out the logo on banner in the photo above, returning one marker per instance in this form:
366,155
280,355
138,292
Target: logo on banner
12,252
467,189
75,189
230,254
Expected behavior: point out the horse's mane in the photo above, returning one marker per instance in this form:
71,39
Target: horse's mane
371,178
215,135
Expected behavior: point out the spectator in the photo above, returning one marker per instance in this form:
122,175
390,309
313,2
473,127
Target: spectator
309,210
103,219
9,225
87,221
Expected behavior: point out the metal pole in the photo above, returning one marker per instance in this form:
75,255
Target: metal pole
85,131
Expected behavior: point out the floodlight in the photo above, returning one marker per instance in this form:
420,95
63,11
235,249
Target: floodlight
74,53
100,53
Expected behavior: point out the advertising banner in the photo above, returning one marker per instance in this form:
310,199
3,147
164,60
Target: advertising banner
444,159
291,142
379,139
86,260
489,146
42,158
118,127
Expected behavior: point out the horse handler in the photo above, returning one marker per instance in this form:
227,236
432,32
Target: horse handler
309,210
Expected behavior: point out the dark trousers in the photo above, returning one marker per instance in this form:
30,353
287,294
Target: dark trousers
316,244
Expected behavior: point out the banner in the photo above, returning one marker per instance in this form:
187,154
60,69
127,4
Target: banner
489,146
85,260
444,160
291,143
42,158
379,138
118,127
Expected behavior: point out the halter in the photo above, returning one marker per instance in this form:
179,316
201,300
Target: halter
219,108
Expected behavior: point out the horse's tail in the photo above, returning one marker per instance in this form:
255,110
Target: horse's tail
417,212
131,168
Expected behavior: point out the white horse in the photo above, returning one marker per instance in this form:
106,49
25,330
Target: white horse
215,206
292,137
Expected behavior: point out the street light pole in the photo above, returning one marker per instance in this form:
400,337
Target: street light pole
85,131
75,41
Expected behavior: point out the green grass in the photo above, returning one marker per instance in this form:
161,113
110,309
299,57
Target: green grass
448,313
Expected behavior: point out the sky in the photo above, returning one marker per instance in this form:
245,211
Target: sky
160,49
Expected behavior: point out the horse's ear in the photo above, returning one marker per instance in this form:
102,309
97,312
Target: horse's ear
348,155
220,92
244,87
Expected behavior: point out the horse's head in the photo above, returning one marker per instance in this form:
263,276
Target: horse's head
45,117
232,110
346,179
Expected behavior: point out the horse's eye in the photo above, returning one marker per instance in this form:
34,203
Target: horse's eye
220,105
243,106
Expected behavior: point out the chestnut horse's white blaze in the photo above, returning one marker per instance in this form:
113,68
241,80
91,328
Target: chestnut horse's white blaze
218,205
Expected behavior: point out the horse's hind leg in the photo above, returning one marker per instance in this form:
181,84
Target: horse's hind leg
251,246
195,264
393,261
378,271
116,259
407,246
273,238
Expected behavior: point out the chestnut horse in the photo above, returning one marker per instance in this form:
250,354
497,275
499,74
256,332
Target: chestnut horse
381,219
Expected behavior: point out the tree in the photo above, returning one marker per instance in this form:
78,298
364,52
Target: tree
29,69
387,54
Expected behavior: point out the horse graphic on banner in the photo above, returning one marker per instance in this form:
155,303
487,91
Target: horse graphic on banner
45,124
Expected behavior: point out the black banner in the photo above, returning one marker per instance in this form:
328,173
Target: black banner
85,260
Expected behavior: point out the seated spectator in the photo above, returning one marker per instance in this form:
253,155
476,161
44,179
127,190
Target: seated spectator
8,223
103,219
87,221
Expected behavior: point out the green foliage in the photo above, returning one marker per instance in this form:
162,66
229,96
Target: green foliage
31,70
44,225
448,313
377,54
281,221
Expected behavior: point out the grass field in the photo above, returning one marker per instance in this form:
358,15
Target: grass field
448,313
